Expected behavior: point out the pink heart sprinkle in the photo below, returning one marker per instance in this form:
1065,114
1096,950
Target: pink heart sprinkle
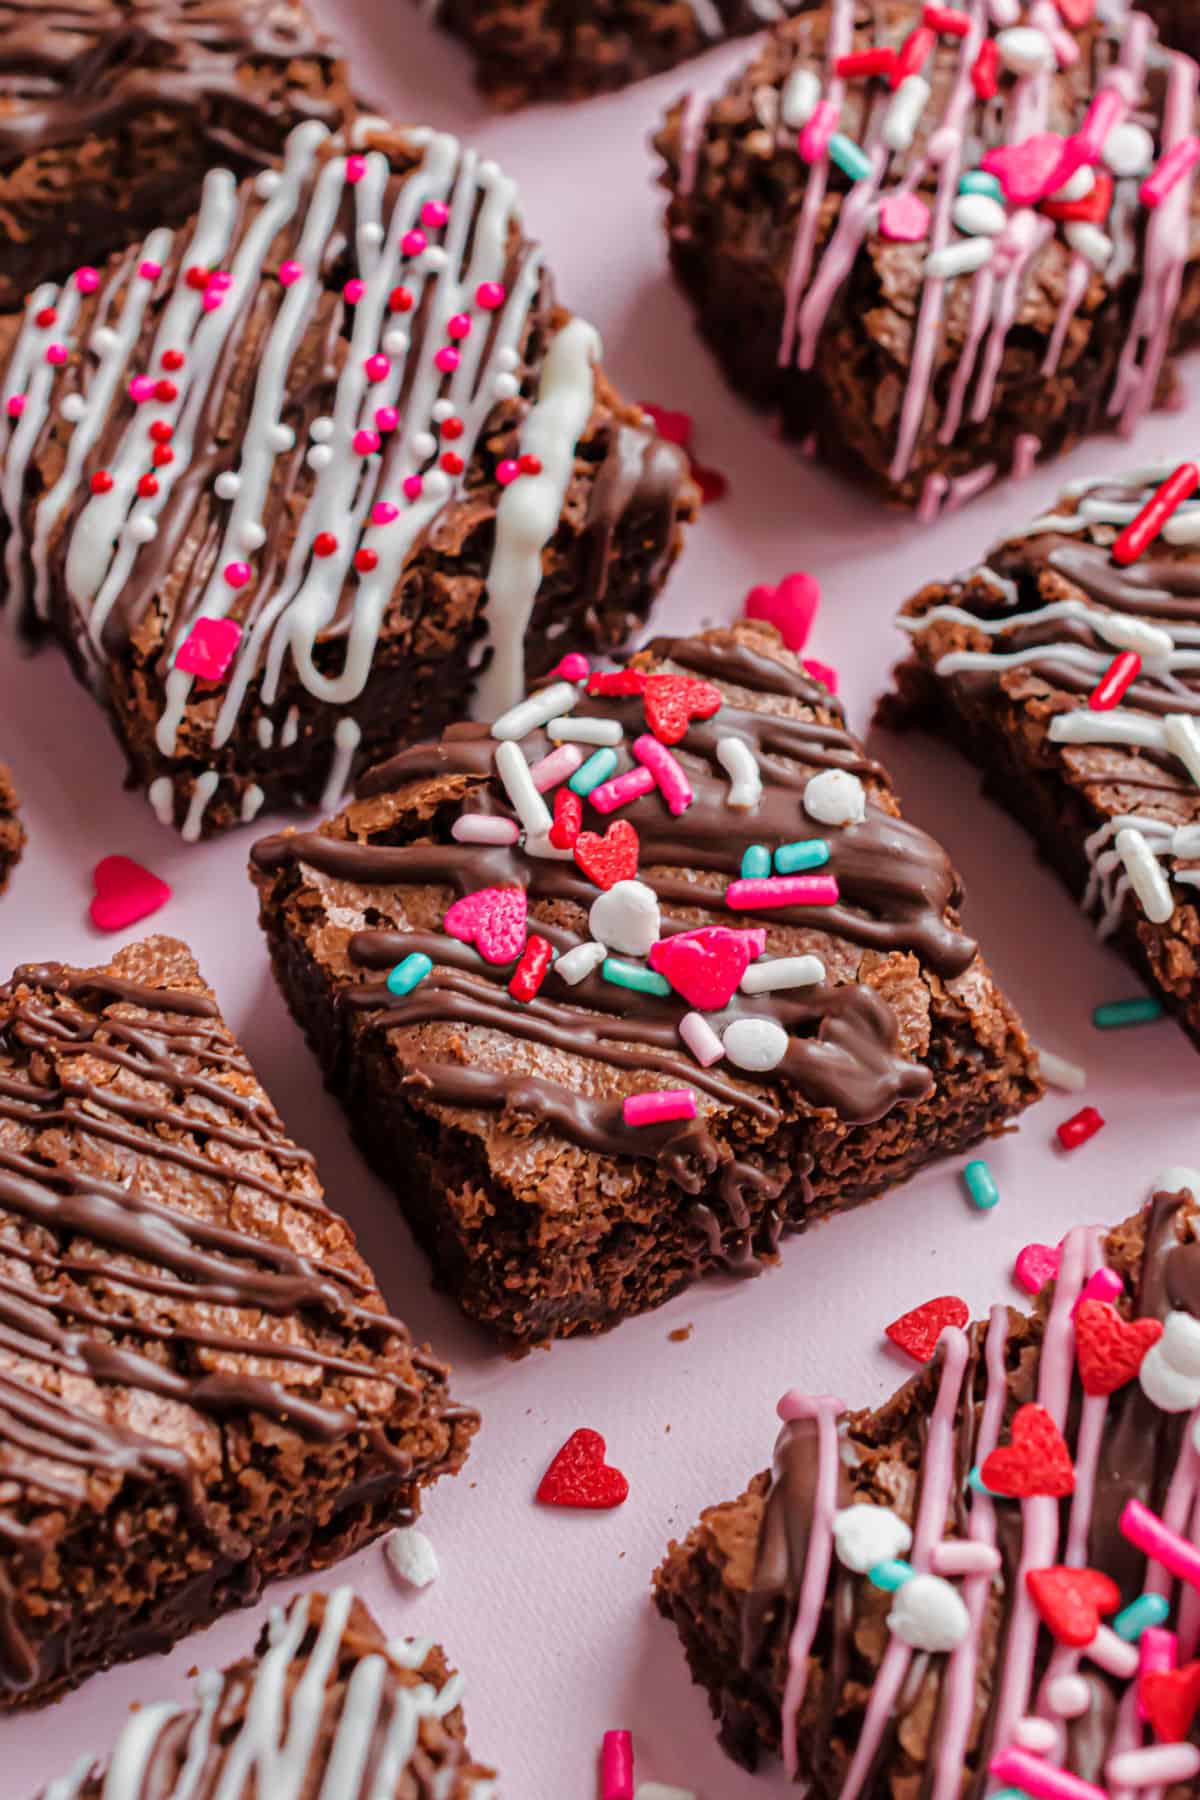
493,919
790,608
1036,1264
705,966
822,672
290,272
211,645
904,218
125,893
1032,169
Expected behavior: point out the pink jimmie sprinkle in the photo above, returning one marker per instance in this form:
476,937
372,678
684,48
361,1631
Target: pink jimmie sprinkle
660,1106
1038,1778
353,291
149,271
1106,111
87,280
412,485
560,765
1105,1284
290,272
668,774
237,574
356,168
479,828
822,672
378,367
758,894
701,1039
616,1766
1160,1543
573,667
962,1556
814,139
1158,1649
15,406
366,442
209,648
1171,170
621,790
383,512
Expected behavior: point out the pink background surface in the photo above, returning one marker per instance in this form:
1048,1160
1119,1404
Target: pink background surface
547,1613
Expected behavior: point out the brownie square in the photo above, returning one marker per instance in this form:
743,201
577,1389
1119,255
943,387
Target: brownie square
1011,661
501,1098
12,836
201,1389
897,257
111,112
288,484
1178,22
570,49
324,1698
960,1657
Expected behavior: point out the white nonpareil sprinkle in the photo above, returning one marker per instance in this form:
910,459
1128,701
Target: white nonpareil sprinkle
904,112
584,731
1145,875
626,918
536,710
412,1556
577,964
701,1039
835,797
73,408
801,93
865,1536
740,764
1062,1074
929,1614
962,258
1128,149
1079,186
1024,49
777,972
979,215
755,1044
528,804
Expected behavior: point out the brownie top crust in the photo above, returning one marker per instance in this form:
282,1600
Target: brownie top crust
12,835
183,1318
1092,657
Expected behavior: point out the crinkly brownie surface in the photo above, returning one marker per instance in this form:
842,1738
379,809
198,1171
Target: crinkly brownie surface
111,111
281,481
200,1387
568,49
990,1631
325,1699
12,836
599,1064
1069,674
940,254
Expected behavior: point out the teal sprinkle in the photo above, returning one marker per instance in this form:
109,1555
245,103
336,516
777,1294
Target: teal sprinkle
890,1575
633,975
981,1186
756,862
805,853
1140,1615
590,774
849,158
1115,1013
408,974
975,1480
978,181
1010,1794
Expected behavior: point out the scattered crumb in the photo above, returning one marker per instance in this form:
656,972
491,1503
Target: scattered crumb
681,1334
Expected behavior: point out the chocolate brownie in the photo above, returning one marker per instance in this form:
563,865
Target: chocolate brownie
201,1388
634,1081
1178,22
940,253
565,50
288,483
1069,675
111,111
326,1703
906,1599
12,837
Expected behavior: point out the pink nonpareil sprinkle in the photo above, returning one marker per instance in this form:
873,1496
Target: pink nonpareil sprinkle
15,405
621,790
616,1766
377,367
412,485
383,512
366,442
149,271
1177,163
573,667
290,272
356,168
659,1107
141,388
353,291
668,774
87,280
757,895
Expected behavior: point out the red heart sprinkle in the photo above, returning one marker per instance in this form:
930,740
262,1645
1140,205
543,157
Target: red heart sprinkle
1170,1698
125,893
1093,208
1110,1349
1072,1601
676,427
617,682
791,607
705,966
568,817
1036,1461
918,1331
671,702
712,484
493,919
579,1475
209,648
611,858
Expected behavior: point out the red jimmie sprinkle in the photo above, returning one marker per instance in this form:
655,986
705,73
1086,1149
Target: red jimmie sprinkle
1116,681
945,18
530,972
1079,1127
616,682
880,61
1141,532
914,53
985,70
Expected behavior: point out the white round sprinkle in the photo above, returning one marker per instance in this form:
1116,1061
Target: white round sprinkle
253,535
1079,186
1180,1342
1128,149
1035,1734
227,486
801,92
104,339
626,918
321,430
281,437
267,183
412,1556
442,410
423,444
577,964
773,973
434,259
979,215
488,171
319,457
836,797
437,485
142,529
1089,241
1169,1389
396,342
506,387
865,1536
1024,49
962,258
1069,1697
73,408
507,359
371,232
929,1614
755,1044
